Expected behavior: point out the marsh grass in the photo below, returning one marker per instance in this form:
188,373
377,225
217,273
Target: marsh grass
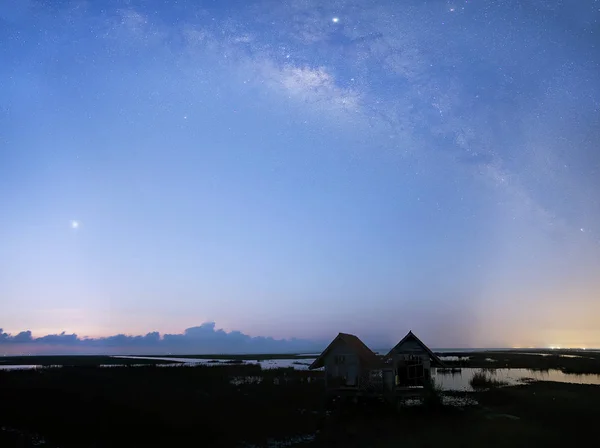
432,398
76,360
484,380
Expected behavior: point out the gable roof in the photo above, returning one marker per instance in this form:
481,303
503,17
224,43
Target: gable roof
364,353
411,336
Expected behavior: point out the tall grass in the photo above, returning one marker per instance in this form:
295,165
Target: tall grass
433,395
484,380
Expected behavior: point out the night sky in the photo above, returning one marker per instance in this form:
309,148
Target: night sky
299,168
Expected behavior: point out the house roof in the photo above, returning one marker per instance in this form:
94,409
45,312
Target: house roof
411,336
358,346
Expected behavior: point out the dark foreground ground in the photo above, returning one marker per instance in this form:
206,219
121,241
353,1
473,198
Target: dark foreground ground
207,406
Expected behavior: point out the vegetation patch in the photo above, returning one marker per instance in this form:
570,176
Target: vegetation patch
485,380
77,360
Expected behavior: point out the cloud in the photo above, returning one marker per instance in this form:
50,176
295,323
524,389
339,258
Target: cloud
22,337
205,338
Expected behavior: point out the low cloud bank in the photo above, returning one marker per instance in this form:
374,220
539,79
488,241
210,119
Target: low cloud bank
204,339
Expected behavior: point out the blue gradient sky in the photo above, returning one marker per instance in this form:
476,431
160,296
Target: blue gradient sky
432,166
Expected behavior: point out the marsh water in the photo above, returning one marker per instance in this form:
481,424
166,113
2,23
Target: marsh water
19,367
459,379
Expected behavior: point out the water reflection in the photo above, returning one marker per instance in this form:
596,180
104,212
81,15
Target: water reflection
455,358
460,379
174,360
24,367
560,355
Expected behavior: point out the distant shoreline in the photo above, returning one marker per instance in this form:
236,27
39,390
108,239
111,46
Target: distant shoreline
299,355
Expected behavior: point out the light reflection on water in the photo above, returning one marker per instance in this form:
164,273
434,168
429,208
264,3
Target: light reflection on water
460,380
454,358
25,367
560,355
179,360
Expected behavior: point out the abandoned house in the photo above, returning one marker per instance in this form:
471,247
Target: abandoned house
347,361
352,368
411,362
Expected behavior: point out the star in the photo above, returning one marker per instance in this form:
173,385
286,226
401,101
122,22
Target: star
335,19
75,225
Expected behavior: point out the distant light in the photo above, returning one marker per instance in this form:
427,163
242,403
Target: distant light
582,229
451,9
74,224
335,19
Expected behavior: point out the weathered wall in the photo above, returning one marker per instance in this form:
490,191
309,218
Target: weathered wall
349,369
409,348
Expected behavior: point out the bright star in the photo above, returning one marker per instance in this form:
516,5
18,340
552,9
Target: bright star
335,20
74,224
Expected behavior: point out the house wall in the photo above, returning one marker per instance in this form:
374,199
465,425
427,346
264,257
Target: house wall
409,348
405,375
350,369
